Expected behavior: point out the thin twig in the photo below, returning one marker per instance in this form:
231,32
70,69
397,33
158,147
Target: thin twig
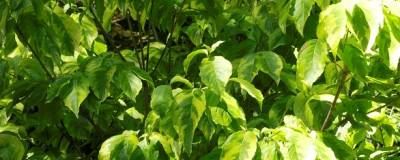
333,106
107,37
34,52
167,42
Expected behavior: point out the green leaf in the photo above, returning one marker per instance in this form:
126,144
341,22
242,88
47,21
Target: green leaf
323,3
270,63
332,25
311,62
302,10
355,61
323,151
374,16
220,116
56,87
234,109
11,147
190,56
123,146
80,90
128,82
298,145
240,145
269,150
247,69
251,89
180,79
190,108
162,100
340,148
215,73
100,81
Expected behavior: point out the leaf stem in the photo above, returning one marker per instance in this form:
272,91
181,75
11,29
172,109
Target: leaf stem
34,52
333,106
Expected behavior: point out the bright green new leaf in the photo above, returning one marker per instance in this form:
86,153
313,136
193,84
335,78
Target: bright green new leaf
240,145
220,116
298,145
332,25
180,79
215,73
269,150
311,62
302,10
251,89
374,16
123,146
79,91
11,147
190,108
270,63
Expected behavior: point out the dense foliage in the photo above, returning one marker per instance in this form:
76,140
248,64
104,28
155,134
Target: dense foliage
199,79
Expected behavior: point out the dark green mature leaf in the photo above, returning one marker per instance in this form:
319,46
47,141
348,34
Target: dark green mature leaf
162,99
190,108
57,87
234,109
354,59
128,82
215,73
247,69
302,10
79,91
332,25
270,63
311,62
240,145
340,148
251,89
11,147
123,146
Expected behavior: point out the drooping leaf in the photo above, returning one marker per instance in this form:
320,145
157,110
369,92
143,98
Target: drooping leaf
234,109
247,69
180,79
270,63
311,62
302,10
215,73
190,108
190,57
240,145
251,89
332,25
355,61
128,82
79,91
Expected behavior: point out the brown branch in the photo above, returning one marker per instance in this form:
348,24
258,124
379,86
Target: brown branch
333,106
